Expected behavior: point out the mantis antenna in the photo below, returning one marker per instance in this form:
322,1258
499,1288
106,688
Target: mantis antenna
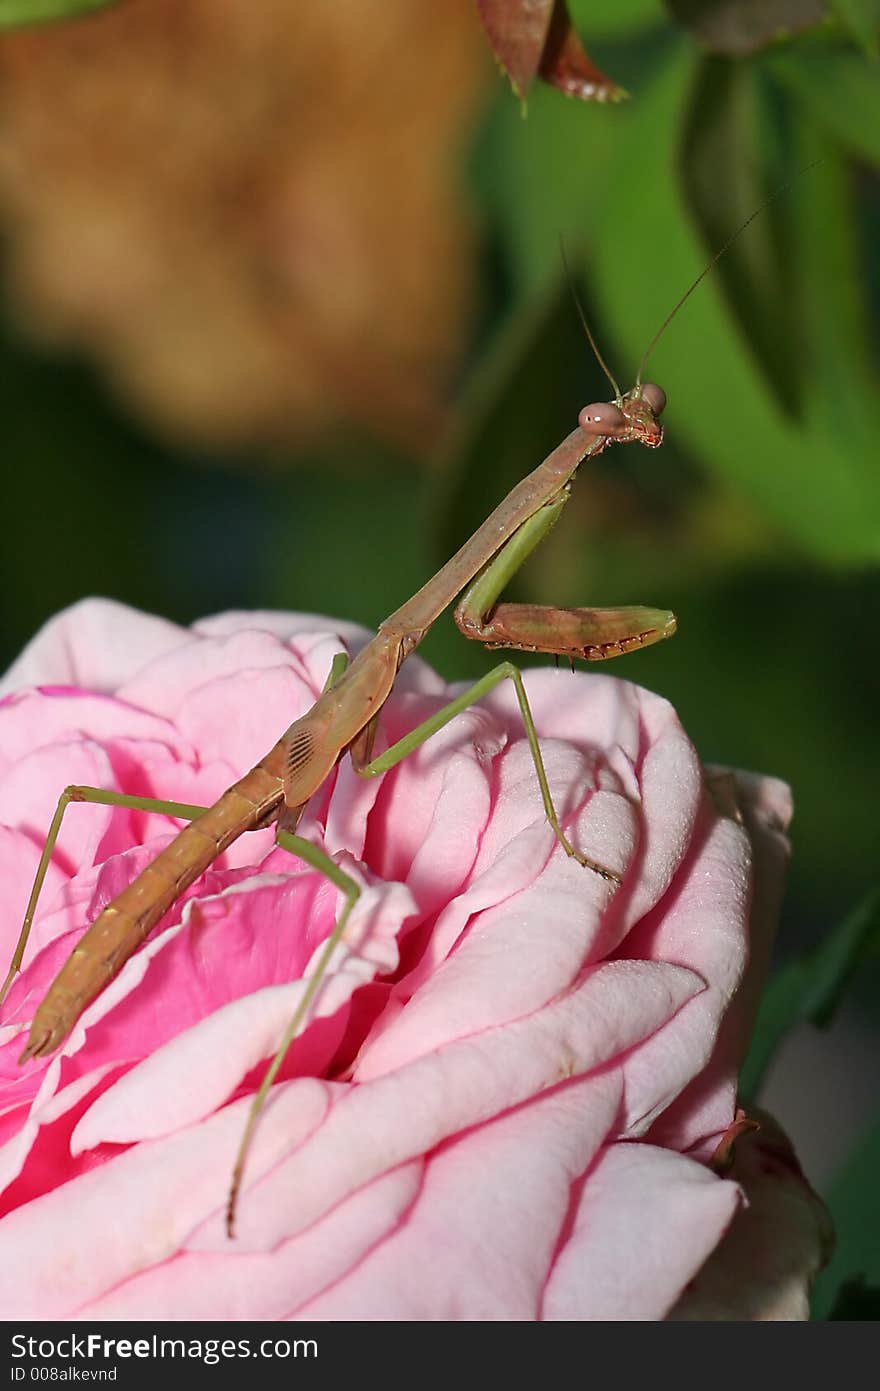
782,188
583,318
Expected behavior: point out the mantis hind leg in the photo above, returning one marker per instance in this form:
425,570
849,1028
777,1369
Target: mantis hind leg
370,768
99,797
288,820
319,860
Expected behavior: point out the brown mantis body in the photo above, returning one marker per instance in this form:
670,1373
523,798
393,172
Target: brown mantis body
344,717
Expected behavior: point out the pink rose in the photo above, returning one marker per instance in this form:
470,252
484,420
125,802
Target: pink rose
510,1085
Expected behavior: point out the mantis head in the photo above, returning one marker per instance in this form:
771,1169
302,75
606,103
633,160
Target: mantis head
634,416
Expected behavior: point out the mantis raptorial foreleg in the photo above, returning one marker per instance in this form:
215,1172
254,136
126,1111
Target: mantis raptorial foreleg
591,634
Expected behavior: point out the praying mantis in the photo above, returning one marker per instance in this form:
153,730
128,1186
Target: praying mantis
344,719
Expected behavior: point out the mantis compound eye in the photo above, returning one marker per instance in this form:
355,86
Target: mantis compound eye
602,418
655,397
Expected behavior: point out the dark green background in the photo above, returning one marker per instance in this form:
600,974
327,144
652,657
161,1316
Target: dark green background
758,522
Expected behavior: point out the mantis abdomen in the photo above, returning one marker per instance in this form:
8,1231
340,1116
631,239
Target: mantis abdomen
119,930
289,773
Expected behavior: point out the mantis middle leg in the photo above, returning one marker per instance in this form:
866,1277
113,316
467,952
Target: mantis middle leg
366,767
98,796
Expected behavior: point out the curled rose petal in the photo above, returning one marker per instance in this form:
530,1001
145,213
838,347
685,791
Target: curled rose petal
505,1052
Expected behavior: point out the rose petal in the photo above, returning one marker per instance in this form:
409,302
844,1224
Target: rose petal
384,1122
231,1040
492,1209
224,1283
704,927
64,1249
95,644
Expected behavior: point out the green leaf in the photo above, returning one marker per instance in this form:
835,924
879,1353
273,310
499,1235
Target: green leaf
825,495
841,92
862,19
811,988
539,175
15,13
842,380
622,17
854,1204
730,168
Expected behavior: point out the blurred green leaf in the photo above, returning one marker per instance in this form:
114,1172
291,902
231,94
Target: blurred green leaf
15,13
623,17
839,357
862,19
539,177
824,495
525,386
346,540
811,988
839,89
854,1204
730,168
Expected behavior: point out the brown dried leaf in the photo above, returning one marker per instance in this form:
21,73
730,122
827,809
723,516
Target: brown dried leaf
537,38
249,214
517,31
566,65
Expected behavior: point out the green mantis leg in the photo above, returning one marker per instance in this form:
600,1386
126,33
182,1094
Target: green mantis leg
470,616
371,768
304,850
591,635
99,797
318,859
